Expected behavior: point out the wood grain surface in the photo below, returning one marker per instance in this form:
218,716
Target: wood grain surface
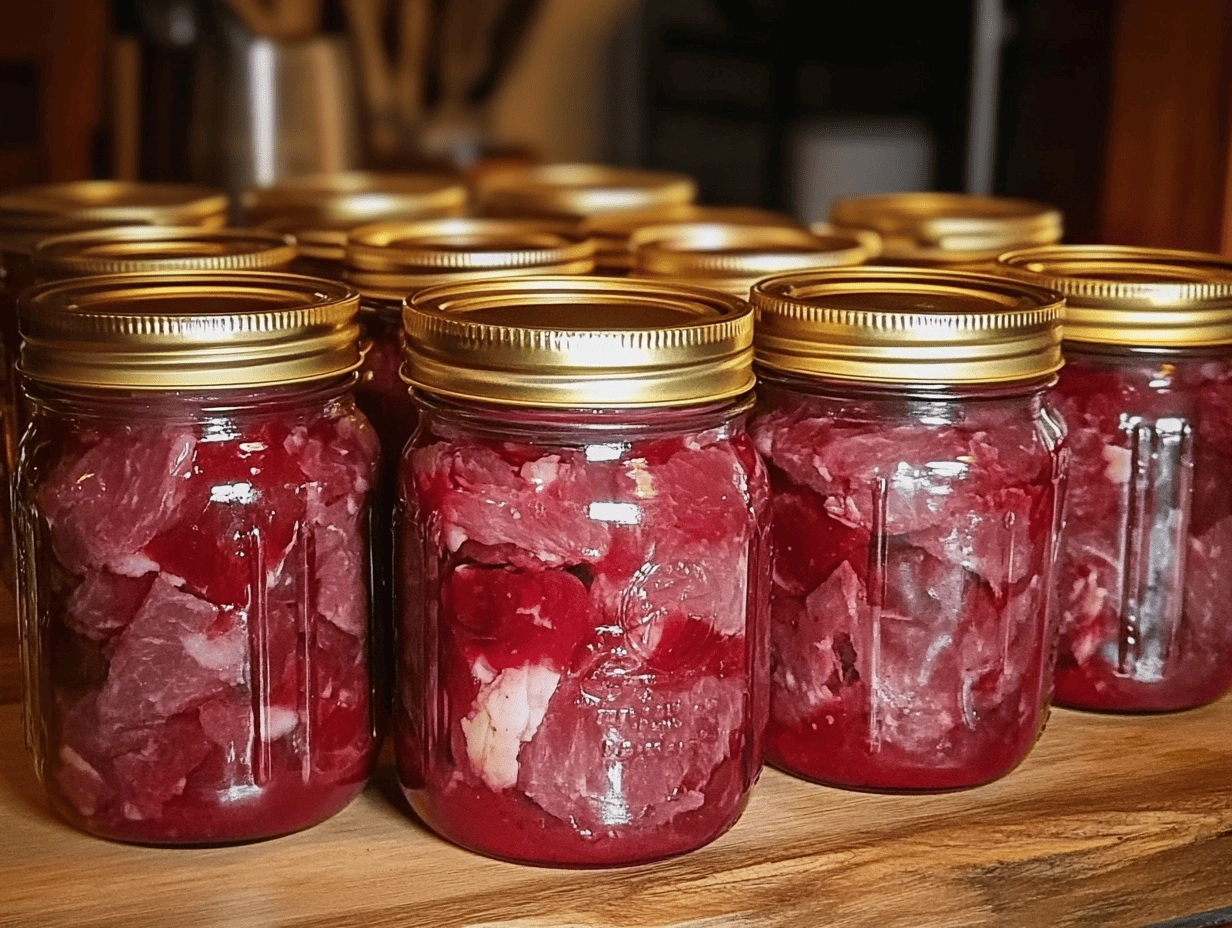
1112,821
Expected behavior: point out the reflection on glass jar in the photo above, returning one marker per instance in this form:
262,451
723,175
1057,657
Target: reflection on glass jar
916,503
582,627
194,559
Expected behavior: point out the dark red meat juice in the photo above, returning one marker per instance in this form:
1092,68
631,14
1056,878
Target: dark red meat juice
1147,549
194,559
916,501
582,626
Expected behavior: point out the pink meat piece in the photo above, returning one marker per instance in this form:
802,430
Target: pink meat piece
178,652
134,771
339,462
542,507
341,706
695,534
104,604
227,722
158,771
1206,629
106,505
1214,414
931,473
616,751
341,566
812,656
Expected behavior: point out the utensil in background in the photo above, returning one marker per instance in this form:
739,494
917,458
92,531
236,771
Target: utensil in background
268,108
425,98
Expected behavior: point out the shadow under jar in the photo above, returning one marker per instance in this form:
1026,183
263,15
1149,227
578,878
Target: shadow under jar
193,554
582,540
1145,569
917,478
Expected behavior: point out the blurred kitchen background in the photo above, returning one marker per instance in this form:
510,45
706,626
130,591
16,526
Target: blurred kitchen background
1114,110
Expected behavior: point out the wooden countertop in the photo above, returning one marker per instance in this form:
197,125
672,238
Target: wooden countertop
1112,821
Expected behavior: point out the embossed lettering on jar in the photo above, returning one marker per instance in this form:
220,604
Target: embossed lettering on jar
193,554
1147,549
582,539
917,478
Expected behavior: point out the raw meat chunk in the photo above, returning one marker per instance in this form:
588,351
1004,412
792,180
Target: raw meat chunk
106,505
475,495
178,652
104,603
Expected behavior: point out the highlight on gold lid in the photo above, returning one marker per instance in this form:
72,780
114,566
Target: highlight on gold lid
949,228
28,214
342,200
578,342
161,249
734,257
1120,295
612,232
580,190
188,331
907,325
389,260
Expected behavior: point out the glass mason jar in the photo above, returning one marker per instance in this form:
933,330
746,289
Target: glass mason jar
582,533
29,214
917,476
948,230
1147,546
732,257
193,554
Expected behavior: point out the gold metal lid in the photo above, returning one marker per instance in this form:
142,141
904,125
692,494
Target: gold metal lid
160,249
907,325
734,257
578,342
345,199
28,214
946,228
392,259
580,190
612,231
188,331
1117,295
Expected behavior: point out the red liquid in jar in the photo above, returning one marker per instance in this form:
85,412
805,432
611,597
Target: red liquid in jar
582,642
910,624
204,579
1147,550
